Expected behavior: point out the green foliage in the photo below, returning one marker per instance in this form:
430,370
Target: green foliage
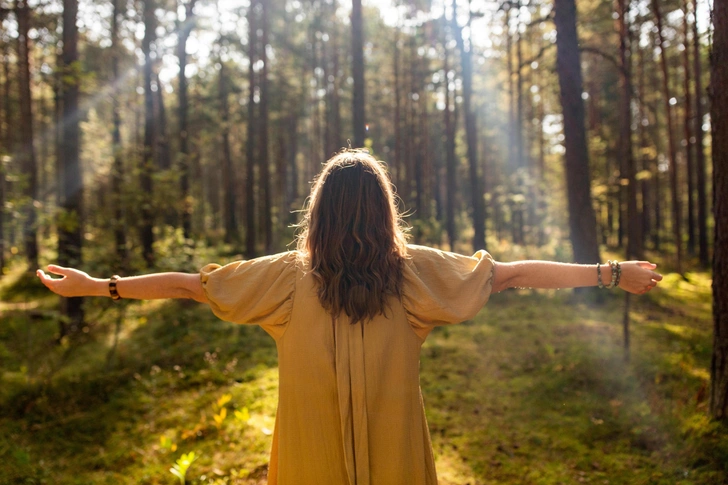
179,469
534,390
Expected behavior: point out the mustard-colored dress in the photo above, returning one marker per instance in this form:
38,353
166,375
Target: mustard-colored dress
350,410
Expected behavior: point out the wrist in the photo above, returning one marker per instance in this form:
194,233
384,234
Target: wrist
99,287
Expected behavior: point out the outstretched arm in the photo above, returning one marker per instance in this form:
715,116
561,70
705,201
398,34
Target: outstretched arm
637,276
147,287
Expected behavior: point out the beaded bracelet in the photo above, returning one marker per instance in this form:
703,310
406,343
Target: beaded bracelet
112,288
616,273
599,275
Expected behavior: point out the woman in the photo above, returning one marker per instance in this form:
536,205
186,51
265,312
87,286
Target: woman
349,311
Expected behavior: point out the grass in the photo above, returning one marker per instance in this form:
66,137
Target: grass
535,390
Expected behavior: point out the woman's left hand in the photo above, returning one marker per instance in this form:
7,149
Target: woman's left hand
73,282
638,277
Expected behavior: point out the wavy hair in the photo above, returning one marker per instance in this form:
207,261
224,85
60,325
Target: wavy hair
353,236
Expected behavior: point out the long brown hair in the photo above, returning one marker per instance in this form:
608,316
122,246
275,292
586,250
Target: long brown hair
353,236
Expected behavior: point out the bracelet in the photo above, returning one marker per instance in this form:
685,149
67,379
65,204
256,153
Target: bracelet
615,269
112,288
619,273
599,276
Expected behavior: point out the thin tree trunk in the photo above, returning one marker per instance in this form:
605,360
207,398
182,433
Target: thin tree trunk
250,231
672,152
519,92
449,158
582,222
397,163
700,153
117,169
164,159
184,152
688,132
70,227
147,163
719,123
229,206
471,135
511,162
26,156
644,159
634,228
263,149
357,59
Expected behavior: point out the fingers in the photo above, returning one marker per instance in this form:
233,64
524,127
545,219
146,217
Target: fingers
49,282
646,265
59,270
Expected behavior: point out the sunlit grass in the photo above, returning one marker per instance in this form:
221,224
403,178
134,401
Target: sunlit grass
535,390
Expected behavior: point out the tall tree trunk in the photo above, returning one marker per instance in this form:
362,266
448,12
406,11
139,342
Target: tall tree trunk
511,161
26,155
229,206
263,148
8,139
117,169
634,227
471,134
397,162
70,227
449,158
147,164
520,162
357,69
719,123
644,159
582,222
672,152
699,152
185,29
5,138
688,131
250,226
164,159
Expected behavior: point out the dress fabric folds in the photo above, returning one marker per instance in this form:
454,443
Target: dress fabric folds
350,409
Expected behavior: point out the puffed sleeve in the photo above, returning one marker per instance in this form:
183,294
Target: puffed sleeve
257,291
441,288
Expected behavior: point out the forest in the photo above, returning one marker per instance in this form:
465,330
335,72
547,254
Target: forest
160,135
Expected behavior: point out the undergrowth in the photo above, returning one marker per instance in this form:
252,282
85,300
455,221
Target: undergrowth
536,390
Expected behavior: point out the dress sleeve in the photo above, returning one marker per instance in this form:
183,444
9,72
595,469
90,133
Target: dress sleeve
442,288
257,291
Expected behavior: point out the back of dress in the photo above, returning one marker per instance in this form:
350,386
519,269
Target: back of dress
350,409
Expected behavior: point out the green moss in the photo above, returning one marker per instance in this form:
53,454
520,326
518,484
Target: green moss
535,390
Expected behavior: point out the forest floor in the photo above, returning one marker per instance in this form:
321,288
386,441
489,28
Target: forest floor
535,390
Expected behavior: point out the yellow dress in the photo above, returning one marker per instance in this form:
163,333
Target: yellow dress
350,410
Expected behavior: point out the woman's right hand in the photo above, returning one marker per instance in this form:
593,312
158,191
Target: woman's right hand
73,282
638,277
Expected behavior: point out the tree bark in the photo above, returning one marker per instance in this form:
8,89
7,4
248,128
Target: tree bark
229,206
634,227
672,152
357,69
582,221
147,163
688,132
719,123
70,227
702,201
263,148
26,155
449,158
117,169
184,151
250,231
471,135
